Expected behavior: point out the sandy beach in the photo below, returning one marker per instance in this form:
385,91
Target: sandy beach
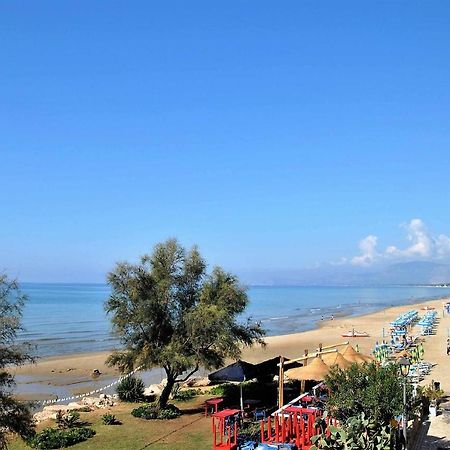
73,373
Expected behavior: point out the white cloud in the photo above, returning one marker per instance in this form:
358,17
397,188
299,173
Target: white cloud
369,254
422,246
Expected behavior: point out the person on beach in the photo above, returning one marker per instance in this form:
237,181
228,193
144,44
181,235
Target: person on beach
448,346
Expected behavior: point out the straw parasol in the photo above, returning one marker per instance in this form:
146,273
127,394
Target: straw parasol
350,354
316,370
336,359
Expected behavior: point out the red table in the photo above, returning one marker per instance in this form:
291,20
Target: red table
298,409
213,402
225,429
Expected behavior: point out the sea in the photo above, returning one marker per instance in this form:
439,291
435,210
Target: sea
62,319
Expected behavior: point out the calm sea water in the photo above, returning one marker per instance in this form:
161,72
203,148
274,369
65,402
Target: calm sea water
69,318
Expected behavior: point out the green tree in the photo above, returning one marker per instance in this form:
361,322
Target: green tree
364,399
370,389
15,417
169,312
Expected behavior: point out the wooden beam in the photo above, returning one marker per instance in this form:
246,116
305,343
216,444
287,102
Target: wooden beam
309,356
325,347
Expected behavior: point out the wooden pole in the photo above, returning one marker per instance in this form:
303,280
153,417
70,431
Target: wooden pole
281,383
303,382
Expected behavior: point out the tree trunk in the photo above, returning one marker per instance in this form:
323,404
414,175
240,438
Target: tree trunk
165,394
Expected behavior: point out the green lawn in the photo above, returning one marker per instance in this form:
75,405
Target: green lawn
191,431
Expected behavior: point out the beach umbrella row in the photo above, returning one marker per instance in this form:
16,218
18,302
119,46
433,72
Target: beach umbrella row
427,322
382,352
405,319
416,353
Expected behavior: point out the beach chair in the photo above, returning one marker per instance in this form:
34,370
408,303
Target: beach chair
259,414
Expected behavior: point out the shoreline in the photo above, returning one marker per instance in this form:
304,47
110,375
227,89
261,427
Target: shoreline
71,374
281,309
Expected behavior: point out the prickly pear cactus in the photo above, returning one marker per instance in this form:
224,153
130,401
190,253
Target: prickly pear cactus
358,433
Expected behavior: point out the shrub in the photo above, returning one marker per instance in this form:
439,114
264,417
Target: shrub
110,419
131,389
186,395
151,411
147,412
169,412
250,389
433,395
55,438
228,390
375,391
68,420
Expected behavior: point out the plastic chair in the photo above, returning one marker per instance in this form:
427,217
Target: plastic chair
259,414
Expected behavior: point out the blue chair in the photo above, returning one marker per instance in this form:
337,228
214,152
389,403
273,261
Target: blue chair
259,414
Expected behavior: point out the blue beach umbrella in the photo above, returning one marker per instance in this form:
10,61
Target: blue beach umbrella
239,371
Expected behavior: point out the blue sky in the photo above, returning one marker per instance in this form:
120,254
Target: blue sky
275,136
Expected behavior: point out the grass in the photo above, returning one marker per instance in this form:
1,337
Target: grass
191,431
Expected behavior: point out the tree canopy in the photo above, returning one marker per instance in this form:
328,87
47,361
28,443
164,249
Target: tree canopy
169,312
14,416
370,389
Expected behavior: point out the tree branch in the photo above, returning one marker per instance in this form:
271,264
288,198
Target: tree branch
188,375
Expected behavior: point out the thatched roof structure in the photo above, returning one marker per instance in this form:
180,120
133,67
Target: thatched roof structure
336,359
350,354
315,370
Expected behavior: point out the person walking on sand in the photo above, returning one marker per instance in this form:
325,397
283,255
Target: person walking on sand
448,346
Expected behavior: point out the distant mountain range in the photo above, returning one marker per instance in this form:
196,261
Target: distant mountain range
409,273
